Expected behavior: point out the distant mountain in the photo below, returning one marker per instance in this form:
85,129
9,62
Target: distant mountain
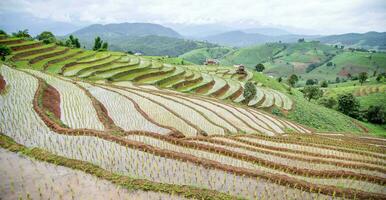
199,31
13,22
124,30
150,39
238,38
268,31
369,40
241,38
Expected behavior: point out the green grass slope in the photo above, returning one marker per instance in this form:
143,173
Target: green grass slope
250,56
350,62
198,56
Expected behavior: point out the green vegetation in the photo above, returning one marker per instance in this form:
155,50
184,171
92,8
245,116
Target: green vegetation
319,117
4,51
199,56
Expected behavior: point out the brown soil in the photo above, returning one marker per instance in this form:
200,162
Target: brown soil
2,83
27,46
51,100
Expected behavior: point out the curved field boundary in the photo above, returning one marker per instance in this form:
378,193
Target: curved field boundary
335,148
107,73
98,66
286,155
8,41
170,78
123,111
305,152
324,142
48,55
22,46
193,108
197,129
130,71
85,116
60,59
30,52
184,112
162,71
221,91
320,174
188,82
91,61
174,131
278,179
260,115
70,64
124,181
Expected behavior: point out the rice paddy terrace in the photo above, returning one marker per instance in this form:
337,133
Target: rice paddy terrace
99,114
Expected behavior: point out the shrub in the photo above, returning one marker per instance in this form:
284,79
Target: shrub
47,37
292,80
310,82
312,92
249,91
349,105
22,33
259,67
324,84
327,102
4,51
362,77
376,114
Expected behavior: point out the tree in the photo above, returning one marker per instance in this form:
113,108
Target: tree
301,40
292,80
259,67
337,80
97,43
362,77
47,37
105,46
349,76
2,32
349,105
324,84
4,51
249,91
279,79
310,82
380,77
71,42
22,33
376,114
312,92
327,102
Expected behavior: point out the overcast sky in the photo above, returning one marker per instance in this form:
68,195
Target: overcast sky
321,16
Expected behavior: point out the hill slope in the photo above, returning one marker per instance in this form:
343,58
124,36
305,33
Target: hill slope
149,39
125,29
369,40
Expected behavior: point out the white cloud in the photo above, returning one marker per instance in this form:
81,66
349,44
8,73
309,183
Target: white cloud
323,16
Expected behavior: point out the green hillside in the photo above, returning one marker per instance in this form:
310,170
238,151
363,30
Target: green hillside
350,62
250,56
198,56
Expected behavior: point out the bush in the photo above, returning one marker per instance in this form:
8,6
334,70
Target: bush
327,102
312,92
376,115
47,37
249,91
4,51
349,105
310,82
259,67
324,84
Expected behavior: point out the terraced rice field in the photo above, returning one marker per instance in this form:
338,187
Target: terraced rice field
170,139
84,128
214,81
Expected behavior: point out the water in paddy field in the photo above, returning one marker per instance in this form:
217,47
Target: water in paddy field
22,177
